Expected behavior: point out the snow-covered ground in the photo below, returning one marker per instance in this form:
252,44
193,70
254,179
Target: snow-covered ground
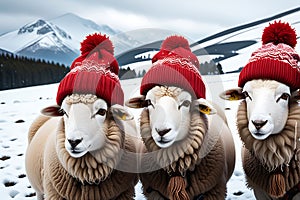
19,107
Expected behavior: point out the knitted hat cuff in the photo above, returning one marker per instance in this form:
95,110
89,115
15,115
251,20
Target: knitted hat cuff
175,65
95,71
271,69
90,78
172,71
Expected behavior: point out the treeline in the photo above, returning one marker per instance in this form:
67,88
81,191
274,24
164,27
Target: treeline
129,73
19,71
211,68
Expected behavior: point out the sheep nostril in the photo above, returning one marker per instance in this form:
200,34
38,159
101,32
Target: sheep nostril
259,123
162,132
74,143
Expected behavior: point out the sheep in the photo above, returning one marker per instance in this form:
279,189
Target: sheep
82,148
267,122
187,154
77,156
268,117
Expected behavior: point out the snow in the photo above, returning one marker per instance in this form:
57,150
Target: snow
65,28
251,33
79,28
22,41
26,103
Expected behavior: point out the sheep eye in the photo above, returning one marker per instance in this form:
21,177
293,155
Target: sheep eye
246,94
101,112
147,103
284,96
185,103
62,111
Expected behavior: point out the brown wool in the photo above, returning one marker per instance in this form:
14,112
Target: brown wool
277,153
198,161
176,189
65,177
276,150
276,185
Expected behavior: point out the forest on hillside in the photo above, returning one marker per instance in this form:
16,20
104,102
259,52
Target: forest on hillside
20,71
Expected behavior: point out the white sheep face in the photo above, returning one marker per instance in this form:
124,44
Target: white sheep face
169,116
84,127
267,107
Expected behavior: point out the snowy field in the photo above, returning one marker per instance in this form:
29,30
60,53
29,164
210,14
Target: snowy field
19,107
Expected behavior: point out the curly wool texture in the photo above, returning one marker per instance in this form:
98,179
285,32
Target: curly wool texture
201,175
277,149
87,177
94,166
276,157
167,91
93,176
181,156
176,188
258,177
81,98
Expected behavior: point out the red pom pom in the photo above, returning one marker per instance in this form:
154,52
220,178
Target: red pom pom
96,42
173,42
279,32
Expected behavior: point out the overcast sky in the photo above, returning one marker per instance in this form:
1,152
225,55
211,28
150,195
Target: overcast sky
193,18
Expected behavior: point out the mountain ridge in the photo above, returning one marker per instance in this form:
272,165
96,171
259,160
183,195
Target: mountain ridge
57,39
228,47
247,25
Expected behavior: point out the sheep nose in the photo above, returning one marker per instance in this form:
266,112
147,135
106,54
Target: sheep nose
259,123
162,132
75,142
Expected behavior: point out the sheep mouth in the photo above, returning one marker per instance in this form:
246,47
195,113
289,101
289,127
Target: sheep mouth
259,135
163,141
76,153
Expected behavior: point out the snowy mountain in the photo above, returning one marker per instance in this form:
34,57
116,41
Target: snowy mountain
55,40
59,40
231,48
79,27
49,42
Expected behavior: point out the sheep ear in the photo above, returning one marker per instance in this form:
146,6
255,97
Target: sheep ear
233,94
121,113
52,111
136,102
204,106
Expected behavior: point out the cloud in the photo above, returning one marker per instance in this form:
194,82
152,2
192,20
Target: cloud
195,18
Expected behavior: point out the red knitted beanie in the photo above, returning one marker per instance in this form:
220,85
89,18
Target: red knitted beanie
95,71
276,59
174,65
